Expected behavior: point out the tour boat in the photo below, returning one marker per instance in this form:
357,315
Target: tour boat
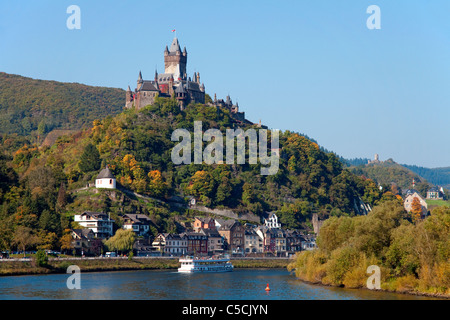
214,264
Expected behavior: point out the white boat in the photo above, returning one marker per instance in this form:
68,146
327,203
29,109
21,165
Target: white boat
214,264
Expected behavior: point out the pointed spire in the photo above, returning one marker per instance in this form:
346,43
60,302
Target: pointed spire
175,47
140,76
129,89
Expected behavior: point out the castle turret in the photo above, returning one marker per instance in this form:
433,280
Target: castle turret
171,92
129,98
181,96
140,81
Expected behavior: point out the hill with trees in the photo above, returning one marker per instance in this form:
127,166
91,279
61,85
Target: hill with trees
388,172
41,194
436,176
30,107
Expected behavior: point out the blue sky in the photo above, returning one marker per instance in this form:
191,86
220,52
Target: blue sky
307,66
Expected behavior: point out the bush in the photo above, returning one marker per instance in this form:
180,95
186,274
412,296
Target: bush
41,259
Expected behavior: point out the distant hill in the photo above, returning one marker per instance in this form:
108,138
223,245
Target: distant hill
437,176
27,105
389,171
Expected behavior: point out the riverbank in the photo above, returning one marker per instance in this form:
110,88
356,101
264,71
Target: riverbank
14,268
404,292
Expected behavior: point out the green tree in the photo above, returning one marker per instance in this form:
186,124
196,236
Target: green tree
90,159
122,241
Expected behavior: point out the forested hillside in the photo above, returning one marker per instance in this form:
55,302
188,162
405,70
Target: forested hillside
137,145
29,106
437,176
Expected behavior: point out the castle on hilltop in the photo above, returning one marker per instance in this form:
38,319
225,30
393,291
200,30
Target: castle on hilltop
174,82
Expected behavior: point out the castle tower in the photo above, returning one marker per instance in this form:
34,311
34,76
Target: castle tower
175,61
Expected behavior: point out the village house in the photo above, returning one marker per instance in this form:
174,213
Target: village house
171,244
100,223
139,223
85,243
294,240
215,241
233,233
253,242
411,194
143,248
267,238
309,242
203,223
435,194
197,243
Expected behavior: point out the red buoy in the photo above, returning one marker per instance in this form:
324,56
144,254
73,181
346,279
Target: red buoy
267,288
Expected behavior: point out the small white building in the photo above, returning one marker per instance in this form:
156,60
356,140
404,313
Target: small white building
105,180
100,223
272,221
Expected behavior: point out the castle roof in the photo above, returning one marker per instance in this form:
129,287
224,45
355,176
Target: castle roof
180,89
164,77
175,46
148,86
190,85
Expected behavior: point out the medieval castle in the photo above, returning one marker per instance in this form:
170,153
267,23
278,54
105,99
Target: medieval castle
174,82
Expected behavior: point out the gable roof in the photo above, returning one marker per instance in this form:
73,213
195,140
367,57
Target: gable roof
83,233
137,218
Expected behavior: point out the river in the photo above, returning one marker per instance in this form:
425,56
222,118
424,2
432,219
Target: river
241,284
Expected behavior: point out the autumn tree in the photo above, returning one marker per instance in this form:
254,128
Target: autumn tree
416,209
24,238
156,187
66,242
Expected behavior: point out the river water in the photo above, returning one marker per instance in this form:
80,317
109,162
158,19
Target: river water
241,284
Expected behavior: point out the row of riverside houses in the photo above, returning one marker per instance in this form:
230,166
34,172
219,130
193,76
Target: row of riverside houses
208,236
216,236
